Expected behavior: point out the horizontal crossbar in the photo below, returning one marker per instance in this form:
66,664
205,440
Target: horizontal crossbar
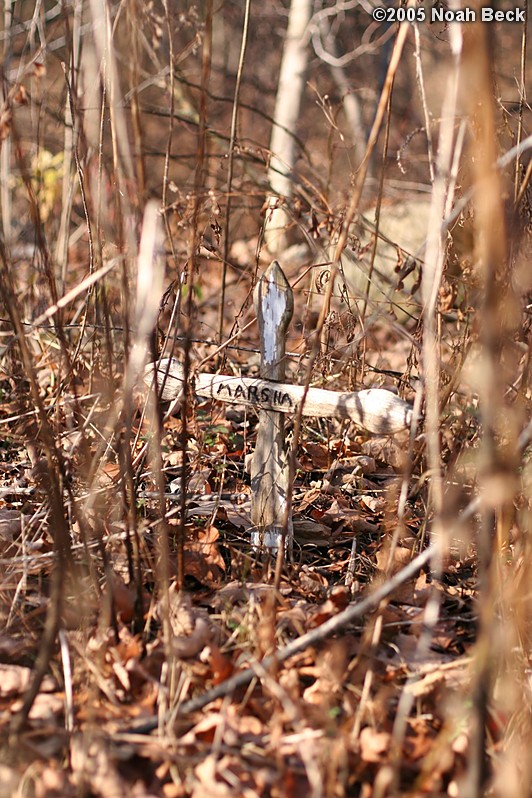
376,410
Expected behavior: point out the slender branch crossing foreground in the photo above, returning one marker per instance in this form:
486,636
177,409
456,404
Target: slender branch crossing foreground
335,624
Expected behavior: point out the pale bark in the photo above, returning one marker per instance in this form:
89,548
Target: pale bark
286,116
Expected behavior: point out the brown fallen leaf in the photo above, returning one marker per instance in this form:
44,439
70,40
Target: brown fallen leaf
390,563
337,601
46,707
312,582
222,666
94,768
191,627
341,516
124,597
14,679
11,525
374,745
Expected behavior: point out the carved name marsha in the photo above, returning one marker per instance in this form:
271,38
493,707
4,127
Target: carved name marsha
255,394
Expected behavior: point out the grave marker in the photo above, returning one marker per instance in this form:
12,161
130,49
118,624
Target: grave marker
274,306
376,410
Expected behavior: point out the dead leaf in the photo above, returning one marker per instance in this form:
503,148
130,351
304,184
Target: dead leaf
312,582
315,457
124,597
222,666
374,745
210,781
11,524
46,707
191,626
389,562
15,679
93,767
337,601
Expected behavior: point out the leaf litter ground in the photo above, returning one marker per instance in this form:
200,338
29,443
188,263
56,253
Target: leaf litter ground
380,704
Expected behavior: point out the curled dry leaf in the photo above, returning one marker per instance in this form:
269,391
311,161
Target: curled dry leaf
239,592
190,626
312,582
124,597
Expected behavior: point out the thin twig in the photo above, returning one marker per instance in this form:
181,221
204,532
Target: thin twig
230,166
316,636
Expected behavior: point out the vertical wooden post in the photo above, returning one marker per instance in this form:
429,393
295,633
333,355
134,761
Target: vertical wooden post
274,305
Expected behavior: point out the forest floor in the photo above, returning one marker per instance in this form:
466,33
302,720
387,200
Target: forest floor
380,705
146,648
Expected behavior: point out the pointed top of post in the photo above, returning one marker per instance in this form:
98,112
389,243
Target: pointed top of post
274,277
274,270
274,305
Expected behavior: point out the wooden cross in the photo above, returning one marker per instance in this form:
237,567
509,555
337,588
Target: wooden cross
274,305
376,410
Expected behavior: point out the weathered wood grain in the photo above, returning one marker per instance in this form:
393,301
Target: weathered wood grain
274,305
376,410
